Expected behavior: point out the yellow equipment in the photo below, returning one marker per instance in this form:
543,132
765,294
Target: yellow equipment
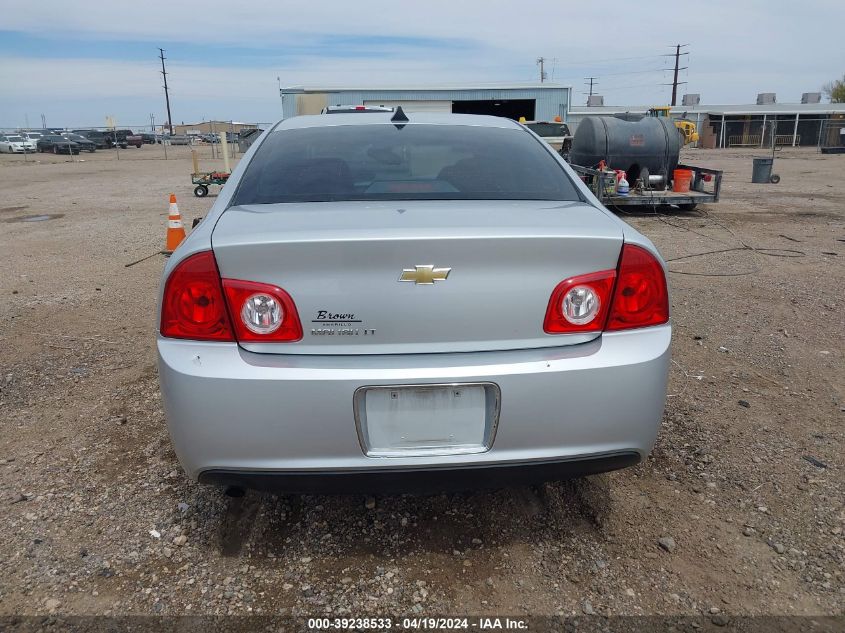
686,126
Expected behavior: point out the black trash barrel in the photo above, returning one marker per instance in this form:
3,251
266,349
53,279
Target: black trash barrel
652,143
762,170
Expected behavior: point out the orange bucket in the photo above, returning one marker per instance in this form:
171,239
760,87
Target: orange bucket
681,179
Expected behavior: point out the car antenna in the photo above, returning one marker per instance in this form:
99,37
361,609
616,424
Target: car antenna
399,118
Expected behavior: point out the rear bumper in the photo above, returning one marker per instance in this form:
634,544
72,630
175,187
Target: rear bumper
402,480
268,420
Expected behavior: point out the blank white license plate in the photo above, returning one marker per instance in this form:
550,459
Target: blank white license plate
406,421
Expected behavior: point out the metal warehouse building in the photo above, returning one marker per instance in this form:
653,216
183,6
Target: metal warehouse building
542,102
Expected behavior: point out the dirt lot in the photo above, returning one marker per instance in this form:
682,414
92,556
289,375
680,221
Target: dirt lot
746,479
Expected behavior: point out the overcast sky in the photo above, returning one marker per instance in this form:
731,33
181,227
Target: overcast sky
78,65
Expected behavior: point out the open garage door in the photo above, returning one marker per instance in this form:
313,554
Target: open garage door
510,108
415,106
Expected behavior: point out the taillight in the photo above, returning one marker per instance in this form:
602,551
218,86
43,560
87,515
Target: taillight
197,305
193,306
632,296
640,298
580,304
262,312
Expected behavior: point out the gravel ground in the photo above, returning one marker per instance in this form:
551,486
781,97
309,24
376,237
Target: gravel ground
739,511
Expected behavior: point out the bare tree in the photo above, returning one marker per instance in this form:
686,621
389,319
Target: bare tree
835,90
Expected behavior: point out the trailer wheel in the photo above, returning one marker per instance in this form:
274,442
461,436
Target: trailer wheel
200,191
774,179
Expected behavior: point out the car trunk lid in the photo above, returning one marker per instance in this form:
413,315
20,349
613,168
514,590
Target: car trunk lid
416,276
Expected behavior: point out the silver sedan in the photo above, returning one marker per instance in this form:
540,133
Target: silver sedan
390,301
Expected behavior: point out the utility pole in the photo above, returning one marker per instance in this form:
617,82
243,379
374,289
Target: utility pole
675,81
541,62
43,123
166,93
591,82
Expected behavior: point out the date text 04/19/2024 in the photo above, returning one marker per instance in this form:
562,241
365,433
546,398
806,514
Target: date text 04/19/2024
417,623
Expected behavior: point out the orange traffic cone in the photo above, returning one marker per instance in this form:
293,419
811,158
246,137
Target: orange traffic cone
175,230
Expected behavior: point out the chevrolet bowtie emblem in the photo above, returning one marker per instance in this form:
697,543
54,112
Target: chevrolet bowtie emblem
424,275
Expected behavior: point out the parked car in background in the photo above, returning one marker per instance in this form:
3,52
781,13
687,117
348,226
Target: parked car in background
555,133
125,138
57,144
148,138
393,301
84,143
178,139
247,137
16,144
32,135
98,137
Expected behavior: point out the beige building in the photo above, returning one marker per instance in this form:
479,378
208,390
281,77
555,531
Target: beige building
207,127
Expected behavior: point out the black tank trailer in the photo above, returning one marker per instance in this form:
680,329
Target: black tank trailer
648,150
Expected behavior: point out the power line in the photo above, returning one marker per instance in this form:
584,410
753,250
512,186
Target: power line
166,93
631,86
587,62
636,72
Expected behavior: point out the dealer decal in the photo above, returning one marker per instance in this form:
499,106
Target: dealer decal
330,323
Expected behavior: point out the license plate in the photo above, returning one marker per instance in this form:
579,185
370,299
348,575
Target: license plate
417,420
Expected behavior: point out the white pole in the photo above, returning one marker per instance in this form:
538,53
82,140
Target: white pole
234,145
723,132
795,129
763,131
224,147
698,127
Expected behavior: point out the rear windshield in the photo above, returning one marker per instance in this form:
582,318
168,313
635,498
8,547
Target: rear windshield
416,162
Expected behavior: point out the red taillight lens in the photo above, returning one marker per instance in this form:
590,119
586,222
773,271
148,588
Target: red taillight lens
580,304
633,296
262,312
641,297
193,306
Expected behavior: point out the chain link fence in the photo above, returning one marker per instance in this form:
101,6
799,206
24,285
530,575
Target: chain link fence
785,130
145,142
832,136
